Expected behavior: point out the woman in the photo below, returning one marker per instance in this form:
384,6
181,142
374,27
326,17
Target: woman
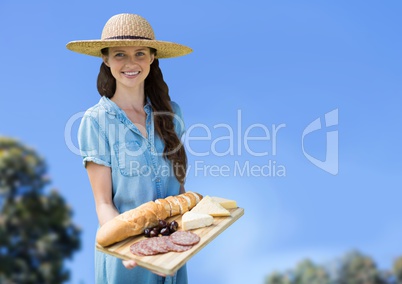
130,140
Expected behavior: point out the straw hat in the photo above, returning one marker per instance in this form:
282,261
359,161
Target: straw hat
128,30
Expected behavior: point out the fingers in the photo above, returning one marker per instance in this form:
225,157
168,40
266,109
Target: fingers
157,273
129,264
160,274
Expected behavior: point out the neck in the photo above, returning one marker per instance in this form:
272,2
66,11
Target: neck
129,99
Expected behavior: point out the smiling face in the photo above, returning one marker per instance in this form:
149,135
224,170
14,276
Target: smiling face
129,65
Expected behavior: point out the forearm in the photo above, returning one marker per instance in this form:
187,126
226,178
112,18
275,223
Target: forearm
106,212
101,182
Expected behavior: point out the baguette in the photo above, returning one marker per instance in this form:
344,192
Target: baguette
191,200
182,203
197,196
130,223
166,205
174,205
133,222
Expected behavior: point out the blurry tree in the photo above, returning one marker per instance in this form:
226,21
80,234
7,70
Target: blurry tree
354,268
397,269
277,278
36,230
308,273
357,268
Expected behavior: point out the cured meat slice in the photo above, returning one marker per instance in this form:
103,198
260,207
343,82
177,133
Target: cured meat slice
177,242
150,246
174,247
184,238
134,248
140,248
158,245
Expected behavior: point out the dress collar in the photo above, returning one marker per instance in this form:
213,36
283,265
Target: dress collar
113,109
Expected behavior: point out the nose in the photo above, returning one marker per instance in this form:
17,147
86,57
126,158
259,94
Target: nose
131,60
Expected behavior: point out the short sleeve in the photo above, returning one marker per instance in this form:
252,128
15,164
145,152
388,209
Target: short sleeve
178,120
93,143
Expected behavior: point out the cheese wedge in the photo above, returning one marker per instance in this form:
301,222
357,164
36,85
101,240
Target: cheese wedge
191,220
208,206
226,203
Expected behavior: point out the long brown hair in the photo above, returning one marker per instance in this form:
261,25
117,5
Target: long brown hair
157,91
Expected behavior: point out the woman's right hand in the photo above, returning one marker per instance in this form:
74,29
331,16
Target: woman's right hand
130,264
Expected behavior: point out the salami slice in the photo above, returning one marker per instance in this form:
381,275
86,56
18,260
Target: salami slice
174,247
150,246
159,245
177,242
139,248
184,238
134,248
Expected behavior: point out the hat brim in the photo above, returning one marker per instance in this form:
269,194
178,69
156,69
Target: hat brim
164,49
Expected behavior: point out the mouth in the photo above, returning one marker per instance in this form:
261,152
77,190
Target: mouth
131,73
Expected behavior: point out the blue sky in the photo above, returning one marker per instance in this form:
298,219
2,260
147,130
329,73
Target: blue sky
257,66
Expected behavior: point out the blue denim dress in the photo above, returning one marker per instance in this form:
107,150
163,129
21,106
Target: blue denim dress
139,174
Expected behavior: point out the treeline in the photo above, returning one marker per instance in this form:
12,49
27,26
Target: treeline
37,232
353,268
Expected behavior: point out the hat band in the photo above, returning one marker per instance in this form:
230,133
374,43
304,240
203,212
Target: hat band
128,37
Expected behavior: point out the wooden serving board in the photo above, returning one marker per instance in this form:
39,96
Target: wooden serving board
170,262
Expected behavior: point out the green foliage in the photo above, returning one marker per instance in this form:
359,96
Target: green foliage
308,273
21,169
277,278
354,268
36,229
397,269
359,269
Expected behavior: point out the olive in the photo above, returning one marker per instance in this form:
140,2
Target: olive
147,231
162,224
165,231
173,226
154,233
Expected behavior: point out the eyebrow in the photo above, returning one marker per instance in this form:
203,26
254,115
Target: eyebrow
121,50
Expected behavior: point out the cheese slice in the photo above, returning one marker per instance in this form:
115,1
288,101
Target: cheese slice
191,220
208,206
226,203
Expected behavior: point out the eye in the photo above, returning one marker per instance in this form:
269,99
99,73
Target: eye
120,54
140,53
